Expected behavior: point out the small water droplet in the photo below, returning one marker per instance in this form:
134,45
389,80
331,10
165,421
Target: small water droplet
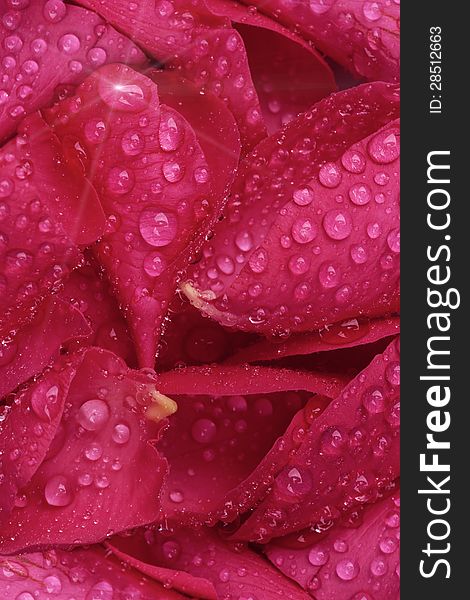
347,569
121,433
360,194
203,431
384,148
330,175
329,275
373,400
337,224
57,491
303,196
132,143
154,264
157,228
304,230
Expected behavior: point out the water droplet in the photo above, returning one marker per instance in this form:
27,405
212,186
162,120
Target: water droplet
85,479
97,56
374,230
38,46
164,8
126,97
332,441
69,43
318,557
337,223
359,254
172,171
102,590
154,264
57,491
353,161
6,187
343,294
95,131
132,143
120,180
373,400
304,231
25,596
298,264
171,549
263,407
392,519
52,584
347,569
54,11
320,7
295,481
44,401
385,146
330,175
258,260
121,433
201,174
372,11
93,452
225,264
393,240
303,196
378,567
93,415
381,178
329,275
203,431
157,228
392,373
360,194
244,241
170,134
176,496
388,544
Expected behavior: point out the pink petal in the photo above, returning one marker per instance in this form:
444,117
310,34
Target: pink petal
360,561
154,183
38,343
27,430
89,292
49,44
362,36
36,252
234,570
348,334
326,248
102,473
348,457
224,448
289,75
89,574
201,46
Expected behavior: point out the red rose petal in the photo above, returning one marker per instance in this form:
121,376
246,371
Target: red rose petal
349,455
289,75
362,36
89,292
102,473
27,430
327,246
46,44
223,449
350,562
38,343
154,184
201,46
234,570
347,334
89,574
36,253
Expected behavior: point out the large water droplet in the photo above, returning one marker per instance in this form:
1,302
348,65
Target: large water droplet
303,196
154,264
353,161
58,491
102,590
244,241
372,11
373,400
393,240
258,260
330,175
337,224
385,146
121,433
225,264
298,264
126,97
329,275
93,414
304,231
52,584
170,134
295,481
157,228
120,180
358,254
95,131
360,194
347,569
69,43
54,11
318,557
132,143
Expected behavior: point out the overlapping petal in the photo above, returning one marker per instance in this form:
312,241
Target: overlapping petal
311,231
89,465
349,456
